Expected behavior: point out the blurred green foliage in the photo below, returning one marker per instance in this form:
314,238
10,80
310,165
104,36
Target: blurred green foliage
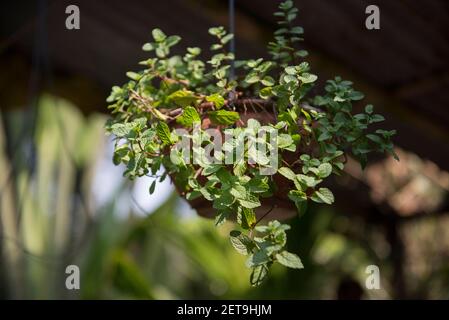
49,220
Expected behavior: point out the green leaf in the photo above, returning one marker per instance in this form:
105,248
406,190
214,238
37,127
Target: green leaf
307,77
289,260
290,78
148,47
172,40
258,258
252,78
297,30
324,170
158,35
120,152
194,50
242,243
224,201
152,187
250,202
133,75
375,138
183,98
224,117
247,218
301,206
258,275
163,132
216,31
268,81
265,93
356,95
216,46
297,196
288,173
189,117
286,5
240,168
377,118
238,191
221,217
284,141
309,181
227,38
210,169
291,70
253,124
323,195
258,185
369,108
216,99
258,156
120,129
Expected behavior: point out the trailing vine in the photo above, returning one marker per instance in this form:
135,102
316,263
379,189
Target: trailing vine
313,134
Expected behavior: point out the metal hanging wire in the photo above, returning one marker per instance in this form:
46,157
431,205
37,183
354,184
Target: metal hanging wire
232,30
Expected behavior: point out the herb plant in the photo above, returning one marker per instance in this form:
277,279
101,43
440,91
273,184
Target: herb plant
315,134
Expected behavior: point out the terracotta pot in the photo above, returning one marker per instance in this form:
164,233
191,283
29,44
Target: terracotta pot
280,205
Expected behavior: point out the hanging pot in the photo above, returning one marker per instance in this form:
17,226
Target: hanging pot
278,206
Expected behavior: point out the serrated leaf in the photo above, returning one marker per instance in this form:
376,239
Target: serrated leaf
250,202
224,117
242,243
188,117
238,191
258,185
323,195
247,218
163,132
120,129
224,201
216,99
183,98
258,275
289,260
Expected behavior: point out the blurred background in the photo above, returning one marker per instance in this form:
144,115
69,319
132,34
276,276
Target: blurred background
63,202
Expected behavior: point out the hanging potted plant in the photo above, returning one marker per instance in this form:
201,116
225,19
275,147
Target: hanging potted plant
255,147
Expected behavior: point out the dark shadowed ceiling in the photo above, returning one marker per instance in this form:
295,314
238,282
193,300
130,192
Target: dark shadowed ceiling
403,68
